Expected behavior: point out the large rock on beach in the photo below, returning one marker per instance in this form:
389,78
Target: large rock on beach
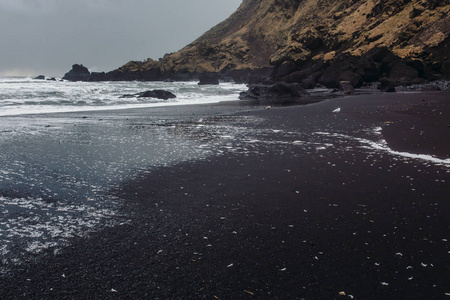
387,85
158,94
279,93
78,73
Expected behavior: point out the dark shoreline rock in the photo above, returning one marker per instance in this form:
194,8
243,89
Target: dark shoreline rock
377,65
78,73
280,93
158,94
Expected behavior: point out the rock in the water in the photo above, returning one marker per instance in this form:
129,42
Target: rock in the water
51,79
208,78
159,94
78,73
279,93
40,77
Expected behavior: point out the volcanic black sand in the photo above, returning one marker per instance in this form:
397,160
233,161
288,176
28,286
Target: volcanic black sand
299,203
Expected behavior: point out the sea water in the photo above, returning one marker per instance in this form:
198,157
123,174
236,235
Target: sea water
20,95
57,170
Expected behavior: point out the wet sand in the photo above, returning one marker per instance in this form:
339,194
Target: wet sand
292,203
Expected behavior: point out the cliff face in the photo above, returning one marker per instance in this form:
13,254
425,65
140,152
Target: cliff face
288,37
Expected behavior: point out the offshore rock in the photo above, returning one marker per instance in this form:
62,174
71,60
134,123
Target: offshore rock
158,94
78,73
40,77
279,93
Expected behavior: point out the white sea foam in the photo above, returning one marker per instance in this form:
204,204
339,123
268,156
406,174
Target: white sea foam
39,225
382,145
19,96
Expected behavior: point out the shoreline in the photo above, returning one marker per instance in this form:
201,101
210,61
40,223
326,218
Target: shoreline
291,203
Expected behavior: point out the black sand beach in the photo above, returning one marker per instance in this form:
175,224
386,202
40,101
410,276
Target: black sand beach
292,203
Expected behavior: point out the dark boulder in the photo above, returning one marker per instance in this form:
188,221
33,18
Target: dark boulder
40,77
159,94
208,78
404,74
78,73
310,82
387,85
51,79
346,87
278,93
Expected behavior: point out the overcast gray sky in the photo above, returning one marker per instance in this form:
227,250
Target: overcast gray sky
48,36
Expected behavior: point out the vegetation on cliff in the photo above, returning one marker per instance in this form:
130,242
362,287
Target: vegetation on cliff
312,41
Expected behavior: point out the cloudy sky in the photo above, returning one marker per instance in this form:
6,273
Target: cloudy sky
48,36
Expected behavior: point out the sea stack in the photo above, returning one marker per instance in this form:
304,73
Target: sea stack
78,73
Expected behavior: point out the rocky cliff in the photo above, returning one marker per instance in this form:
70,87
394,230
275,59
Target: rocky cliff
314,41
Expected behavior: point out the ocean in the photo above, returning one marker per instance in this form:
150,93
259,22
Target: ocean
63,149
19,95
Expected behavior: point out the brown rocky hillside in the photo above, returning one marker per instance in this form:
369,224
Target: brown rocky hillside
315,41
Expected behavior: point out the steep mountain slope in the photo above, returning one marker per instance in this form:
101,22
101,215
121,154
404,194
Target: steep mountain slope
292,40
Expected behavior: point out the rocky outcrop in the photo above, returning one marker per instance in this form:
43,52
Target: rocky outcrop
39,77
280,93
158,94
313,42
78,73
